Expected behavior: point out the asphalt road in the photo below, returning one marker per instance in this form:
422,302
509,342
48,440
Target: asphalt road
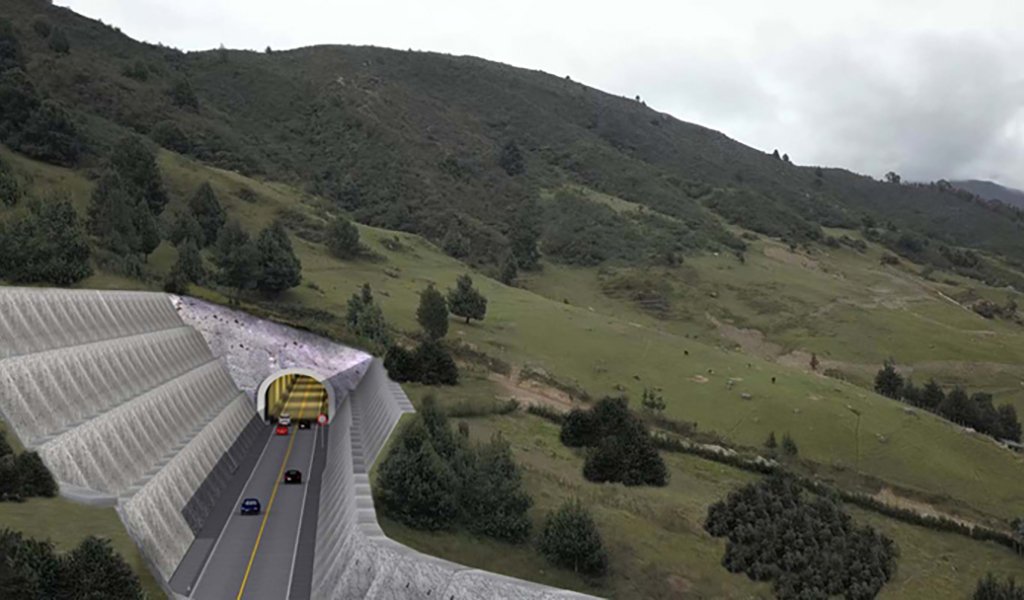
258,556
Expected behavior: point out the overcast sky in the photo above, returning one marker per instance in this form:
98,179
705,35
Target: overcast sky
931,89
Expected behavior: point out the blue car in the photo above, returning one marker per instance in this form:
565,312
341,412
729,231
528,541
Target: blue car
250,506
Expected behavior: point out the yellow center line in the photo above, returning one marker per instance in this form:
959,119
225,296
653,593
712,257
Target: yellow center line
269,505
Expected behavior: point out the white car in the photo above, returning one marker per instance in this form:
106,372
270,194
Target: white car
285,419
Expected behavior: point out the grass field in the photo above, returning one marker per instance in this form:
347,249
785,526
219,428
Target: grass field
840,304
655,537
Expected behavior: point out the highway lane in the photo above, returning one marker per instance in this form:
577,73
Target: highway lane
253,556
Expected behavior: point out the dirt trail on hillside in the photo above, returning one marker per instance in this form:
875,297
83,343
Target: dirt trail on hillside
531,392
887,496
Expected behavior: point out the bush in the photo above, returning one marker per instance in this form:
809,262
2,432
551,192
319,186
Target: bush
991,588
343,238
48,245
570,539
95,570
401,364
435,364
50,135
546,412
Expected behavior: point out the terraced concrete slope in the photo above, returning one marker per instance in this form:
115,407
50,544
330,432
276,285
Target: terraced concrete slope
125,401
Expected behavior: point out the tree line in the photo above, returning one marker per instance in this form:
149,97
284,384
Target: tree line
976,411
434,479
32,569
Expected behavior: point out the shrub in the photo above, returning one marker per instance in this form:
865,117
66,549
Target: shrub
95,570
343,238
50,135
401,364
365,319
59,41
991,588
497,505
46,245
570,539
41,26
432,313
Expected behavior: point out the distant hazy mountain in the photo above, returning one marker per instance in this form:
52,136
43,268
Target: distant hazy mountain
992,191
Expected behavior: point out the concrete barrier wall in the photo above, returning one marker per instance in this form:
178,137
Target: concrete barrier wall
354,559
44,393
115,450
154,514
34,320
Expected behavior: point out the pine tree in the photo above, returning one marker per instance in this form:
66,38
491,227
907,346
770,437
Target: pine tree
279,269
401,364
570,539
814,361
770,443
509,270
432,313
789,447
46,245
95,570
932,395
1008,424
49,135
497,505
236,258
435,364
208,212
35,479
888,382
343,238
186,228
465,301
10,188
524,235
365,319
957,407
138,172
190,262
414,484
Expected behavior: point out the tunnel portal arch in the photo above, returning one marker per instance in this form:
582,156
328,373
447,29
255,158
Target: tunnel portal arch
261,392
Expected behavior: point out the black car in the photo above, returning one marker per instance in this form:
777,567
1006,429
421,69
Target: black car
305,424
293,476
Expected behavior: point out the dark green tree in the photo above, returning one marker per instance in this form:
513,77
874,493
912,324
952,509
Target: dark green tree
18,576
343,238
111,215
570,539
432,313
435,364
236,258
190,262
208,212
401,364
59,41
770,443
511,159
454,243
19,98
46,245
11,55
524,235
497,505
1009,426
136,166
36,480
170,135
579,429
50,135
465,301
888,382
415,486
789,447
185,228
509,270
365,319
279,268
10,188
94,570
932,395
183,96
958,407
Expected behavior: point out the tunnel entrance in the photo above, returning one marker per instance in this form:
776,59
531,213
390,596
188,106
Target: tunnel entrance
298,395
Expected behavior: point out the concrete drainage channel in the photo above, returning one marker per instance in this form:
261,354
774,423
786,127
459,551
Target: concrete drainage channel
150,403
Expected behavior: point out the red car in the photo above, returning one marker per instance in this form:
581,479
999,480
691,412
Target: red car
281,430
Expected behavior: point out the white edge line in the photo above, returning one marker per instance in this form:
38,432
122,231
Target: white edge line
302,511
224,529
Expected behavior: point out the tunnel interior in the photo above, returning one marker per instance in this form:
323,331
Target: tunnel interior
300,396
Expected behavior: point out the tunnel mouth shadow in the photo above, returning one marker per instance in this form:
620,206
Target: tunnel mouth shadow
301,394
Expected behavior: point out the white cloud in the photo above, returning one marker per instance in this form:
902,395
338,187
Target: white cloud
930,88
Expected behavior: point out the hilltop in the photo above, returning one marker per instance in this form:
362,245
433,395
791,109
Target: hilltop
990,190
